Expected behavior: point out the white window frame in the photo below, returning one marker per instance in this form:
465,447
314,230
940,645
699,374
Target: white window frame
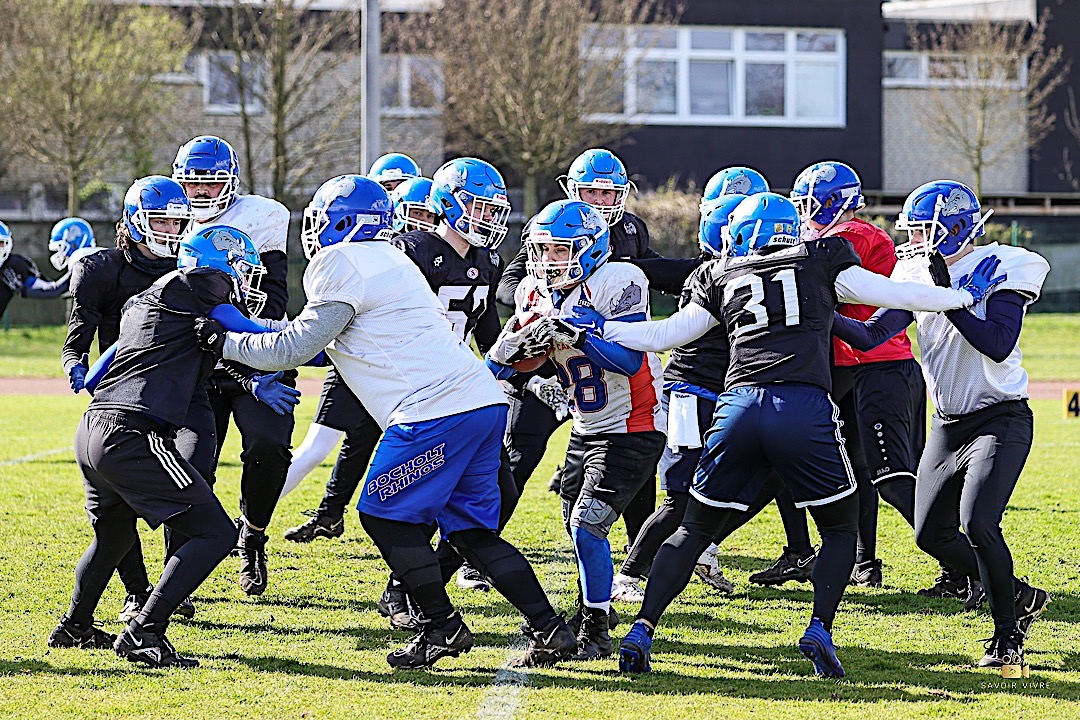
924,80
406,110
682,54
255,107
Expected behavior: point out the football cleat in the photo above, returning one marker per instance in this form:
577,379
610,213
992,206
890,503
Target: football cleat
137,644
69,635
1006,651
431,643
1030,603
867,574
133,605
252,560
708,569
976,595
186,608
626,589
395,606
949,584
791,566
318,526
555,482
547,647
469,578
817,645
594,635
575,620
635,652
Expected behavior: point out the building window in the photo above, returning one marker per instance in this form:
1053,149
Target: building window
412,85
221,84
695,75
922,69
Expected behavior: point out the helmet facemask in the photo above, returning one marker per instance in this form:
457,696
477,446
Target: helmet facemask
162,244
556,274
926,236
611,213
483,221
249,280
409,222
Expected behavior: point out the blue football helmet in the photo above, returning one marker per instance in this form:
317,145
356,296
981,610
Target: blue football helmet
825,191
735,180
582,229
232,252
713,230
942,215
470,195
67,236
151,198
393,167
599,169
410,196
6,243
208,159
763,223
347,208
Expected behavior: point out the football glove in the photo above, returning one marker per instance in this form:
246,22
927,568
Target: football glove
267,390
77,373
559,332
551,394
588,319
981,281
939,271
523,344
210,336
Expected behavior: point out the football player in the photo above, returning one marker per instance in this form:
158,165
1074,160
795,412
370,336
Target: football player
127,446
442,412
392,169
20,276
209,172
981,432
775,298
599,178
156,214
617,436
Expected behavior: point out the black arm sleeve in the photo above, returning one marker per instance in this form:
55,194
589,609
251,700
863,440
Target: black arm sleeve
87,302
996,336
511,276
488,326
668,275
866,336
275,284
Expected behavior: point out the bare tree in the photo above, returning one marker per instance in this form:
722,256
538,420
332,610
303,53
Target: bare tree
524,81
989,86
1072,126
79,77
296,74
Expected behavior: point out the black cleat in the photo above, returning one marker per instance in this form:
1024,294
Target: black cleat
133,605
137,644
976,595
1006,651
394,605
252,561
556,480
574,623
547,647
949,584
594,635
791,566
867,574
319,525
69,635
1030,603
186,609
431,643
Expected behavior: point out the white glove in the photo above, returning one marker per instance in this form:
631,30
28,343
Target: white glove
551,394
523,344
558,332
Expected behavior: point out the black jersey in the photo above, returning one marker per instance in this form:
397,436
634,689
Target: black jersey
158,368
629,239
777,310
100,286
14,273
703,362
465,285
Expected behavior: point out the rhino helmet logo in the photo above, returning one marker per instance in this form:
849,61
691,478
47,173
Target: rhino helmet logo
342,187
590,220
957,202
226,242
823,173
738,185
452,176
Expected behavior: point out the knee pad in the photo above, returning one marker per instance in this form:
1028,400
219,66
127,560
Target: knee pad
593,515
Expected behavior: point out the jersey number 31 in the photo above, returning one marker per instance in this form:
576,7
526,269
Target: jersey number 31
755,306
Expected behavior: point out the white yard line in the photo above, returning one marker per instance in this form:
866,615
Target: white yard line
503,698
37,456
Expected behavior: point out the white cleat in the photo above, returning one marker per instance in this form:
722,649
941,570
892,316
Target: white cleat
708,569
469,578
627,589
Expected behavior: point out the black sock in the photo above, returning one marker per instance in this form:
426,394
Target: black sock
656,529
114,534
794,519
406,548
837,523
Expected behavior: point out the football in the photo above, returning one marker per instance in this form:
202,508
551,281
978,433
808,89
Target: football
531,363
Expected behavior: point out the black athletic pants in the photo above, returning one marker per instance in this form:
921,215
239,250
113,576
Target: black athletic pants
967,475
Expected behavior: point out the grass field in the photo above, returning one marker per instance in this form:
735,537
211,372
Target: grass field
314,647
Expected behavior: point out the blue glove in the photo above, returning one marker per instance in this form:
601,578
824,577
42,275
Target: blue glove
588,319
77,373
267,390
980,282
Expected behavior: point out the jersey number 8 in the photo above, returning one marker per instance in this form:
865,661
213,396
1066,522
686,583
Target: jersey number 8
590,390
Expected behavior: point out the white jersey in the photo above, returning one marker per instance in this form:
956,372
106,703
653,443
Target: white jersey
604,401
265,221
398,355
961,379
81,253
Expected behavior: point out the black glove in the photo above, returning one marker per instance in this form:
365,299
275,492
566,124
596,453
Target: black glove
210,336
939,271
